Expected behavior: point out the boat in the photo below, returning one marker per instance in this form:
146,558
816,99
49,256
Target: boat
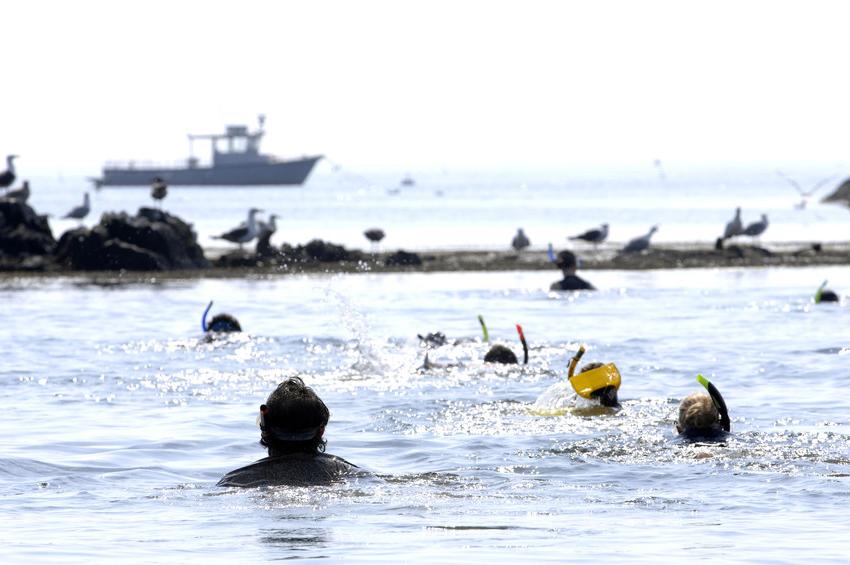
236,161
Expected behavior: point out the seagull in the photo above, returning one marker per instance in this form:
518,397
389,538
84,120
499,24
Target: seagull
520,240
159,190
806,194
757,228
244,233
734,227
7,177
266,231
594,236
641,243
375,235
80,212
20,194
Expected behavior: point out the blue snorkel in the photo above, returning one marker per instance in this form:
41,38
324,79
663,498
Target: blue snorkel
204,327
551,253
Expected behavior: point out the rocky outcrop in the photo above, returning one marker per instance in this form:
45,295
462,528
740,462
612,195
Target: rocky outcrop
152,240
315,252
26,241
840,195
403,258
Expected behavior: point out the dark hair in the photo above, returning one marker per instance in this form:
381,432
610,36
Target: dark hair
293,419
566,260
224,323
500,354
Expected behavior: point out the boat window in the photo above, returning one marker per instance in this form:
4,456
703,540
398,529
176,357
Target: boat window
240,144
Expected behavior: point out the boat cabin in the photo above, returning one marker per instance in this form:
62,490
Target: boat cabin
236,146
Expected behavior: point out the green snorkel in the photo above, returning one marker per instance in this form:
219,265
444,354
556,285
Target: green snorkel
484,328
819,293
719,403
204,327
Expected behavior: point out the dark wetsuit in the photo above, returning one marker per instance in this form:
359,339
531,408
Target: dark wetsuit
572,282
294,469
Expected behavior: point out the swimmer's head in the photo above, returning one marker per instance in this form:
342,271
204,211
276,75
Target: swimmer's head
500,354
224,323
566,261
607,395
698,415
828,296
293,419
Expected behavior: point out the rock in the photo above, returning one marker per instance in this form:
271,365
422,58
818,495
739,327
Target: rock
840,195
152,240
324,252
402,258
23,233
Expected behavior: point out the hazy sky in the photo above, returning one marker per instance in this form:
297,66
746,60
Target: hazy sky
410,85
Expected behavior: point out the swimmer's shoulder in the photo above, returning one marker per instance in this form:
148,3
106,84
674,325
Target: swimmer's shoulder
572,282
295,469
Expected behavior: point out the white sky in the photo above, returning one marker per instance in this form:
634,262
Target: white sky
432,84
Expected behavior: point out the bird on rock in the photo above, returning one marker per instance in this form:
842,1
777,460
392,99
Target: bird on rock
734,227
641,243
7,177
594,236
20,194
520,240
80,212
159,190
755,229
244,233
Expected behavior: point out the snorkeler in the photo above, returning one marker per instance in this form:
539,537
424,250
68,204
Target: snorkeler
823,294
703,416
566,261
502,354
292,425
221,323
598,381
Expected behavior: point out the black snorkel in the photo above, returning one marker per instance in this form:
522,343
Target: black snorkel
524,344
719,403
204,326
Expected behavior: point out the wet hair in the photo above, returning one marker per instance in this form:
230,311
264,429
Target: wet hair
698,415
828,296
566,260
293,419
500,354
607,395
224,323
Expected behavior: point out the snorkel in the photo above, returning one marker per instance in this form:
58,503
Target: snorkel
204,326
719,403
819,292
601,382
550,251
486,337
524,344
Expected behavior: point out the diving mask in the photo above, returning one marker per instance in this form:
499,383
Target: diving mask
588,382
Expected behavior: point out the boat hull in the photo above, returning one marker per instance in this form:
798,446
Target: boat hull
293,172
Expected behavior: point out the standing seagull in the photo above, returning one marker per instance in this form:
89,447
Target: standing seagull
159,190
594,236
757,228
265,233
734,227
7,177
244,233
641,243
80,212
21,194
520,240
375,235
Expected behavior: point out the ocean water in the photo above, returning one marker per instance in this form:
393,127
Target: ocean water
447,210
119,419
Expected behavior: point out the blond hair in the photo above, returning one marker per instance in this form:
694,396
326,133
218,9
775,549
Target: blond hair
698,413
